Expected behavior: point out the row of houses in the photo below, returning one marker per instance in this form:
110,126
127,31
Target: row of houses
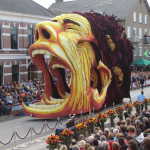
18,20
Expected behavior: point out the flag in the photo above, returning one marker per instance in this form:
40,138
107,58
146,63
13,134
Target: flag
146,54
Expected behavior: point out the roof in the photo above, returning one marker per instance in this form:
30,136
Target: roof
119,8
24,6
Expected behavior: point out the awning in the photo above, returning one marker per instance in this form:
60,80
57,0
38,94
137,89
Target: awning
141,62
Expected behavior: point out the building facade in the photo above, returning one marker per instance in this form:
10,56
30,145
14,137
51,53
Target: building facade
16,35
137,26
134,16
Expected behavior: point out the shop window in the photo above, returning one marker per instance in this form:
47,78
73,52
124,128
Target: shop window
30,37
1,75
15,73
14,38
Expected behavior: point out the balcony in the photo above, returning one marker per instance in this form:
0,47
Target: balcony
146,40
135,39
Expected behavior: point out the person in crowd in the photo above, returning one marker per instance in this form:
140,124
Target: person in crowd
63,147
115,131
115,146
146,143
142,82
82,144
139,135
111,140
73,142
133,145
95,144
86,146
122,144
15,100
123,130
100,147
105,144
146,125
128,121
140,98
9,99
91,139
103,138
75,147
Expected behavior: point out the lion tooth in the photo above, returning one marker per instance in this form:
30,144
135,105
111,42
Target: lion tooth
35,52
48,53
67,94
42,51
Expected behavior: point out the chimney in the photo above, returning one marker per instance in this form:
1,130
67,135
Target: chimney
57,1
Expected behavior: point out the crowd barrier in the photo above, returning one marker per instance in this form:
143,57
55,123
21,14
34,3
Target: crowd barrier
136,85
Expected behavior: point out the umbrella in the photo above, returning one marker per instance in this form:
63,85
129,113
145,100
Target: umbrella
141,62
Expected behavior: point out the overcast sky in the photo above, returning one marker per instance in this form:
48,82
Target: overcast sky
47,3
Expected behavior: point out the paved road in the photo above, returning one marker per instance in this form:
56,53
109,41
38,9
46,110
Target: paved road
22,125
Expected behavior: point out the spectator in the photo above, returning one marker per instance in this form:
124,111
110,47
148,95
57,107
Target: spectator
142,82
75,147
139,135
146,143
111,140
133,145
115,131
86,146
63,147
105,144
140,98
103,138
91,139
100,147
82,144
9,99
123,130
95,144
122,144
115,146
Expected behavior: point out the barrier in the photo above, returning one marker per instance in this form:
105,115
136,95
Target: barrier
136,85
30,130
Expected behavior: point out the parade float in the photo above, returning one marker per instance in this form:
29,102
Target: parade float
95,50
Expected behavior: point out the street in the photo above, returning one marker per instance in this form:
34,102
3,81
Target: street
22,124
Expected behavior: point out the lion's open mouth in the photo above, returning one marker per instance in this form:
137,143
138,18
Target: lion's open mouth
60,93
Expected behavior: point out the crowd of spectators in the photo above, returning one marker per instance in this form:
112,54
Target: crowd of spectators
136,76
16,92
130,134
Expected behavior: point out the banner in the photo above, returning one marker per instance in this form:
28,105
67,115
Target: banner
18,109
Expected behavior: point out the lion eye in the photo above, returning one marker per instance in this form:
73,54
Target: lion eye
70,28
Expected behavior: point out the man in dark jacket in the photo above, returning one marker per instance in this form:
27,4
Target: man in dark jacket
142,82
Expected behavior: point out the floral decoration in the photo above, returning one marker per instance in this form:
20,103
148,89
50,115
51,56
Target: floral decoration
119,110
128,107
110,112
52,142
81,128
101,117
145,101
136,104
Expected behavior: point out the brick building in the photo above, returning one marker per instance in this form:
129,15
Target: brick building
18,20
134,16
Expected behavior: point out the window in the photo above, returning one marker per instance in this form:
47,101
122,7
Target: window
0,38
140,51
14,38
145,32
135,50
128,32
15,73
30,37
134,16
145,49
145,19
1,75
140,18
140,33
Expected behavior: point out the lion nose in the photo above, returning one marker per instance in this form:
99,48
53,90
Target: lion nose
46,34
45,31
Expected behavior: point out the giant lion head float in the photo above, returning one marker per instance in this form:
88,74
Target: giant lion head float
93,47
